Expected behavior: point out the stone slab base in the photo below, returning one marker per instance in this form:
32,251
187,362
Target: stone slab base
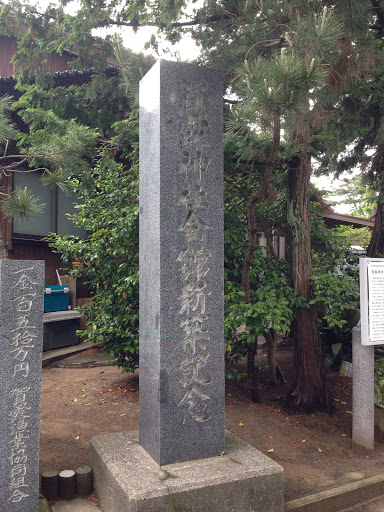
127,479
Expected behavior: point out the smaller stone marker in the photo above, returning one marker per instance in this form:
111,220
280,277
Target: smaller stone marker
363,393
21,347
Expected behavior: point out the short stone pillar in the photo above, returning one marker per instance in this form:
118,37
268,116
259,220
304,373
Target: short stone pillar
363,393
21,347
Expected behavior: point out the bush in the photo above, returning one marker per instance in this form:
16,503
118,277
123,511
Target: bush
379,382
108,258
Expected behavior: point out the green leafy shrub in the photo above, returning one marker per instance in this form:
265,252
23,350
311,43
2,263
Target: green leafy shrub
273,300
379,382
108,258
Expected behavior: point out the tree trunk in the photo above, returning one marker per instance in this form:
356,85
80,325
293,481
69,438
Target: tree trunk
252,375
263,191
275,371
3,247
376,245
310,391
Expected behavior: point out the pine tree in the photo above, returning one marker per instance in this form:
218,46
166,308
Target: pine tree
298,58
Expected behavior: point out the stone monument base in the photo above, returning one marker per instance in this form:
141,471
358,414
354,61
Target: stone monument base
127,479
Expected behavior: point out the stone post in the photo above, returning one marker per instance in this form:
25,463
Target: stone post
21,346
363,392
181,263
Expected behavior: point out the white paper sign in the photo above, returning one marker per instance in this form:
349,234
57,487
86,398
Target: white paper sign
372,300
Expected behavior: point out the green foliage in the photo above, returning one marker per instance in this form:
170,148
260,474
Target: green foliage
297,58
57,145
8,130
108,257
379,382
21,203
354,236
336,293
273,301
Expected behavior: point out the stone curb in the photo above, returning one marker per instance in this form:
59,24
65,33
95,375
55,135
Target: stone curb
339,498
51,356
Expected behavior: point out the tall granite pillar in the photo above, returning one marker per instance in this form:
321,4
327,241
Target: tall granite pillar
21,347
181,263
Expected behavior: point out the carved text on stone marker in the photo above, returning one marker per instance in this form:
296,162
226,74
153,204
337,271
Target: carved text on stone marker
194,257
22,340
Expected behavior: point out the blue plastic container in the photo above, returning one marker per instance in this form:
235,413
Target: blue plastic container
56,298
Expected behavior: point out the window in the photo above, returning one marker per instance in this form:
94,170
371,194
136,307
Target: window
54,218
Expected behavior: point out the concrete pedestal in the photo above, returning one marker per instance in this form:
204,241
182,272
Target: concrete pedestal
127,479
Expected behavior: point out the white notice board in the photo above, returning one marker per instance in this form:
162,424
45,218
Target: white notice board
372,300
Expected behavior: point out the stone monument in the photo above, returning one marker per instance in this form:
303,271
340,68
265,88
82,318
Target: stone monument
21,344
181,263
181,459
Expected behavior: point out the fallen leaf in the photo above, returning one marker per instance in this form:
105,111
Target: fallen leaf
270,451
348,412
75,400
344,403
343,435
115,403
84,396
230,406
304,441
241,424
320,450
229,394
110,389
123,414
337,399
83,390
77,438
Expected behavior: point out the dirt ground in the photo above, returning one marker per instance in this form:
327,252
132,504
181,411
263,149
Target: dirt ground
81,398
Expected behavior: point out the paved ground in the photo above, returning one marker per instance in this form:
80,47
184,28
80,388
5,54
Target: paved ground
77,505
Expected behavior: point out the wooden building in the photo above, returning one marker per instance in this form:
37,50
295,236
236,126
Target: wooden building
24,240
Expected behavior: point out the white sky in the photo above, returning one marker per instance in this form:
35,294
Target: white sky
329,184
